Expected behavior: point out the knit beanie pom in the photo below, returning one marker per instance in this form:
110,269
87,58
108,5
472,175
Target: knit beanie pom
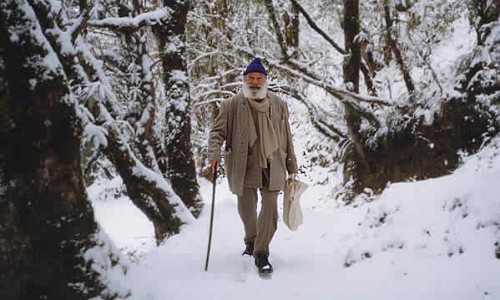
255,66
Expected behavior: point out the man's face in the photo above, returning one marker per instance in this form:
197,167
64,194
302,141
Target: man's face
255,80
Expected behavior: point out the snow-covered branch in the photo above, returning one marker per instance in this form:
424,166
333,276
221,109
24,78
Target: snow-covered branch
127,23
78,26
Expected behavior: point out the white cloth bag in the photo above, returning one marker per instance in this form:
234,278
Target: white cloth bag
292,213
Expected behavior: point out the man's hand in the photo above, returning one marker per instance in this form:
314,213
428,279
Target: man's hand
214,164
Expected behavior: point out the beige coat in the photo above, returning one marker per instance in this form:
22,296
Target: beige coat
232,126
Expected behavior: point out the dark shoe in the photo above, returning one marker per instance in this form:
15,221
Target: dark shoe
262,263
248,249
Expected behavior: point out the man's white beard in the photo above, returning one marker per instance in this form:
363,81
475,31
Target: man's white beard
253,93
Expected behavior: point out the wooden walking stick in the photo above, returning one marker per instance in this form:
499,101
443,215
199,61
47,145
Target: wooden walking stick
211,217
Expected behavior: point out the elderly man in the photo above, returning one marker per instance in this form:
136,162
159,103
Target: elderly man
258,153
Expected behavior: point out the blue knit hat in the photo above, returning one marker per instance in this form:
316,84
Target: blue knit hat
255,66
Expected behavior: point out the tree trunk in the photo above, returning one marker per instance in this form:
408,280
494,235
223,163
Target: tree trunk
397,53
277,29
353,58
145,193
180,167
352,63
47,222
292,26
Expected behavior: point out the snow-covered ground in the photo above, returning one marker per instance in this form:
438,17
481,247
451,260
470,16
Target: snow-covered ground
433,239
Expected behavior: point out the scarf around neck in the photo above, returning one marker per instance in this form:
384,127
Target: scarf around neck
268,140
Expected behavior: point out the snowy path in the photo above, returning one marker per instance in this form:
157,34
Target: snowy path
309,263
431,239
305,263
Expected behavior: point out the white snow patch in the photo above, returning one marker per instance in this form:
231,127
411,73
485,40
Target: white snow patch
127,226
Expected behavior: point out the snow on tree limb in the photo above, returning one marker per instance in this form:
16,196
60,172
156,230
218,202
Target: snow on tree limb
78,26
181,210
341,94
110,99
96,135
48,65
294,69
127,23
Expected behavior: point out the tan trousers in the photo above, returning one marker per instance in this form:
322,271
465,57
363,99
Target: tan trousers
259,230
